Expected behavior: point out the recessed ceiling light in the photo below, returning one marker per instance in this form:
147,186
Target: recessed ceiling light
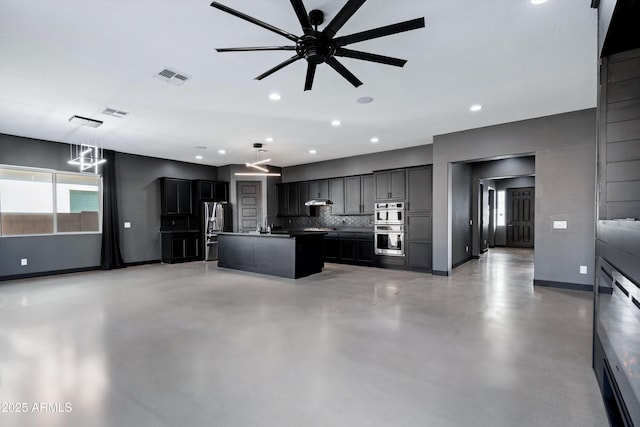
364,100
269,139
222,152
312,151
275,97
199,157
336,123
374,139
476,107
538,1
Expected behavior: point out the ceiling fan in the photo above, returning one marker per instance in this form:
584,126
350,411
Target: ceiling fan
317,47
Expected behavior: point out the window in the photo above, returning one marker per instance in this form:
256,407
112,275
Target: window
28,198
77,205
501,209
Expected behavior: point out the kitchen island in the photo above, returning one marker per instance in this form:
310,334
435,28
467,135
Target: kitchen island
292,255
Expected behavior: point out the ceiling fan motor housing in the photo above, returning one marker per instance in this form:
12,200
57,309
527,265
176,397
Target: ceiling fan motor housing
315,48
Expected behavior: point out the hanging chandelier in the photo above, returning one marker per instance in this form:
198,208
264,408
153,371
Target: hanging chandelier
258,164
86,155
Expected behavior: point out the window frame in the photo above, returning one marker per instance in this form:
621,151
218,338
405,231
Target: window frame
54,183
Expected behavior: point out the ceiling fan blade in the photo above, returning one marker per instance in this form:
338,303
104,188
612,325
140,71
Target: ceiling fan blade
302,15
291,60
255,21
342,17
333,63
250,49
356,54
311,72
400,27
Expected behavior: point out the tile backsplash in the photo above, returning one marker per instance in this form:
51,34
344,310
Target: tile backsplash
321,217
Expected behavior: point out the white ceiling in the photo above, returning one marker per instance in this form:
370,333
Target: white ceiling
64,57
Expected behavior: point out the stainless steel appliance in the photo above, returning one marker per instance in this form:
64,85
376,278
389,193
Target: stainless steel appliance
217,218
389,240
389,228
389,213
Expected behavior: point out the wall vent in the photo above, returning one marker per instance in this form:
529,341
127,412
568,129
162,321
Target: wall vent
172,77
114,113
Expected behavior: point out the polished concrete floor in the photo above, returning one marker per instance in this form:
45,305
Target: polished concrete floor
193,345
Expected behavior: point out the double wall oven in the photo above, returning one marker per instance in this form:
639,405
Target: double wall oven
389,228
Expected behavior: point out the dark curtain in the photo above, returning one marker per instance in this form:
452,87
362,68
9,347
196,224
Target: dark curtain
110,256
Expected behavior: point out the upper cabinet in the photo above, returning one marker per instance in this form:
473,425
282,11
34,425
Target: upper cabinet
291,199
368,193
390,185
175,196
212,191
358,194
336,195
319,189
419,189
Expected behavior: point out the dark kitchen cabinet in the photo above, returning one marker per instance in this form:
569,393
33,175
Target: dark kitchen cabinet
212,191
319,189
390,185
303,196
175,196
352,195
336,195
419,194
180,247
358,194
349,248
332,247
293,201
368,194
291,198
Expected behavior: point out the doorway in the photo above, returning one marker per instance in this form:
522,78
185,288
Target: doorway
249,203
520,217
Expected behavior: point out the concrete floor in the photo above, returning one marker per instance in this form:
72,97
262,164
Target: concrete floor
193,345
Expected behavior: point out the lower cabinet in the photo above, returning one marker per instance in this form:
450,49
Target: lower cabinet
349,248
180,247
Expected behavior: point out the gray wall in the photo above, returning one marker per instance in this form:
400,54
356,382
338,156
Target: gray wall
564,149
139,201
44,253
461,212
358,165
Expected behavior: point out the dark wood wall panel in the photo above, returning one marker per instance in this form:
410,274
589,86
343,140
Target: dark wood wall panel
624,70
622,151
623,110
619,145
623,131
622,209
624,191
623,171
624,90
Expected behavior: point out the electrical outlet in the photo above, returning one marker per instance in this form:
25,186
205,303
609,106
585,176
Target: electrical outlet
583,269
466,248
23,261
127,225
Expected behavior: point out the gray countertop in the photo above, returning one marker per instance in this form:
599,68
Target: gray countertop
279,234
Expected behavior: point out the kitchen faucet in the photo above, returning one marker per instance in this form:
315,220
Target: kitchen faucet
267,226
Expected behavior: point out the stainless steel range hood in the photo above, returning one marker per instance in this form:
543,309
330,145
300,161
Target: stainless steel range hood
318,202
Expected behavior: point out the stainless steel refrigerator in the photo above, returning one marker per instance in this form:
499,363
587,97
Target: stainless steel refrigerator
217,218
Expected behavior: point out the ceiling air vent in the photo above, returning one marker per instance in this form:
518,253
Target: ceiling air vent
172,77
114,113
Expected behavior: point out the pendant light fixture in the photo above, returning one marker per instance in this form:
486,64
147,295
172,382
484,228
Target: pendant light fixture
258,164
85,154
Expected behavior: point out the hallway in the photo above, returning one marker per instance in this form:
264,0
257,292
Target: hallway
193,345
